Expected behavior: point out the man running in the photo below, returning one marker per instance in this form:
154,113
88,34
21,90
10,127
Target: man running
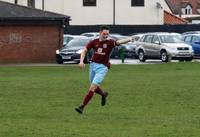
99,65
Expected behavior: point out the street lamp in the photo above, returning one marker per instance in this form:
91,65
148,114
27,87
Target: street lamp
113,12
42,4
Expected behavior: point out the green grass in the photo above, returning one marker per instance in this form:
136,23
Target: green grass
160,100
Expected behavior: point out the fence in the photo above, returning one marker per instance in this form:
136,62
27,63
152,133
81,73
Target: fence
132,29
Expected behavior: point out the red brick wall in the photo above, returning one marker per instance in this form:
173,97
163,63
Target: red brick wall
29,44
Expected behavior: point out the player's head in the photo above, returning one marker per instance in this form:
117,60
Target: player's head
104,32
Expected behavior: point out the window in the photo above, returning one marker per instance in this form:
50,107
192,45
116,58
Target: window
137,2
148,38
188,39
195,39
187,10
31,3
155,39
16,1
89,2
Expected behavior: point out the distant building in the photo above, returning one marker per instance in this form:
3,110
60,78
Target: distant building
188,9
29,35
94,12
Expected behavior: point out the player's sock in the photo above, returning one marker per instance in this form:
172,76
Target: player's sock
88,97
99,91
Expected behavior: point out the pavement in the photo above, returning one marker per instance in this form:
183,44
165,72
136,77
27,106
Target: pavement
113,61
134,61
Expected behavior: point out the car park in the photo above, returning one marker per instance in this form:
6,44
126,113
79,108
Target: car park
164,46
193,39
72,51
129,48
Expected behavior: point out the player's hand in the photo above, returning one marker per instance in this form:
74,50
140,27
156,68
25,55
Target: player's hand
81,65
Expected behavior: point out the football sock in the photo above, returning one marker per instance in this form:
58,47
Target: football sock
88,97
99,91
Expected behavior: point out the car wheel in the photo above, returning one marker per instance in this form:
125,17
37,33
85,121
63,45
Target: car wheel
59,61
164,57
189,59
181,60
141,56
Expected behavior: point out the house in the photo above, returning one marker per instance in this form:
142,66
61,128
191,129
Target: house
184,7
29,35
187,9
94,12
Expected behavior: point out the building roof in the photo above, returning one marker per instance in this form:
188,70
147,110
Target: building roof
185,4
176,5
9,11
173,7
172,19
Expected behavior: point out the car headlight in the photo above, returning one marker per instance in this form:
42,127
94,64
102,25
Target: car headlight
79,51
57,51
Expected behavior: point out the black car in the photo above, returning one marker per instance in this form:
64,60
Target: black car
72,51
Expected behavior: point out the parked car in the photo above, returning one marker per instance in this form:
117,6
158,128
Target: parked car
68,37
164,46
129,48
90,34
194,41
191,32
136,37
72,51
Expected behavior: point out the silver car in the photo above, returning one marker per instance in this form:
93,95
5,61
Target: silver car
164,46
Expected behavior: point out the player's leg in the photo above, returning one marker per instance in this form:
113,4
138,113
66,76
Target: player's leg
90,93
97,74
100,73
87,98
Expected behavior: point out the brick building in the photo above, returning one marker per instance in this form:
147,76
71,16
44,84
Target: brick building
29,35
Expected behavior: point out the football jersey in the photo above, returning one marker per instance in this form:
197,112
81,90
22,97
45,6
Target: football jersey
102,50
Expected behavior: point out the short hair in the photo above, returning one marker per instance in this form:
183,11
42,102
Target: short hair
104,27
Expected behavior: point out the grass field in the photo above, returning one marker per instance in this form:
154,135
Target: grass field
160,100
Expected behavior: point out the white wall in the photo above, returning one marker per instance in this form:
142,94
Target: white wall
11,1
125,14
20,2
89,15
23,2
149,14
56,5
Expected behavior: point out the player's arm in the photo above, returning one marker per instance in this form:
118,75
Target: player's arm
123,41
83,53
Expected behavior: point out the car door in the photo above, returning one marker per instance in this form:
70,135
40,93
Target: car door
147,45
195,42
155,48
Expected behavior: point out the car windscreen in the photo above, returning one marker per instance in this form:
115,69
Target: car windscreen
78,42
67,39
170,39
